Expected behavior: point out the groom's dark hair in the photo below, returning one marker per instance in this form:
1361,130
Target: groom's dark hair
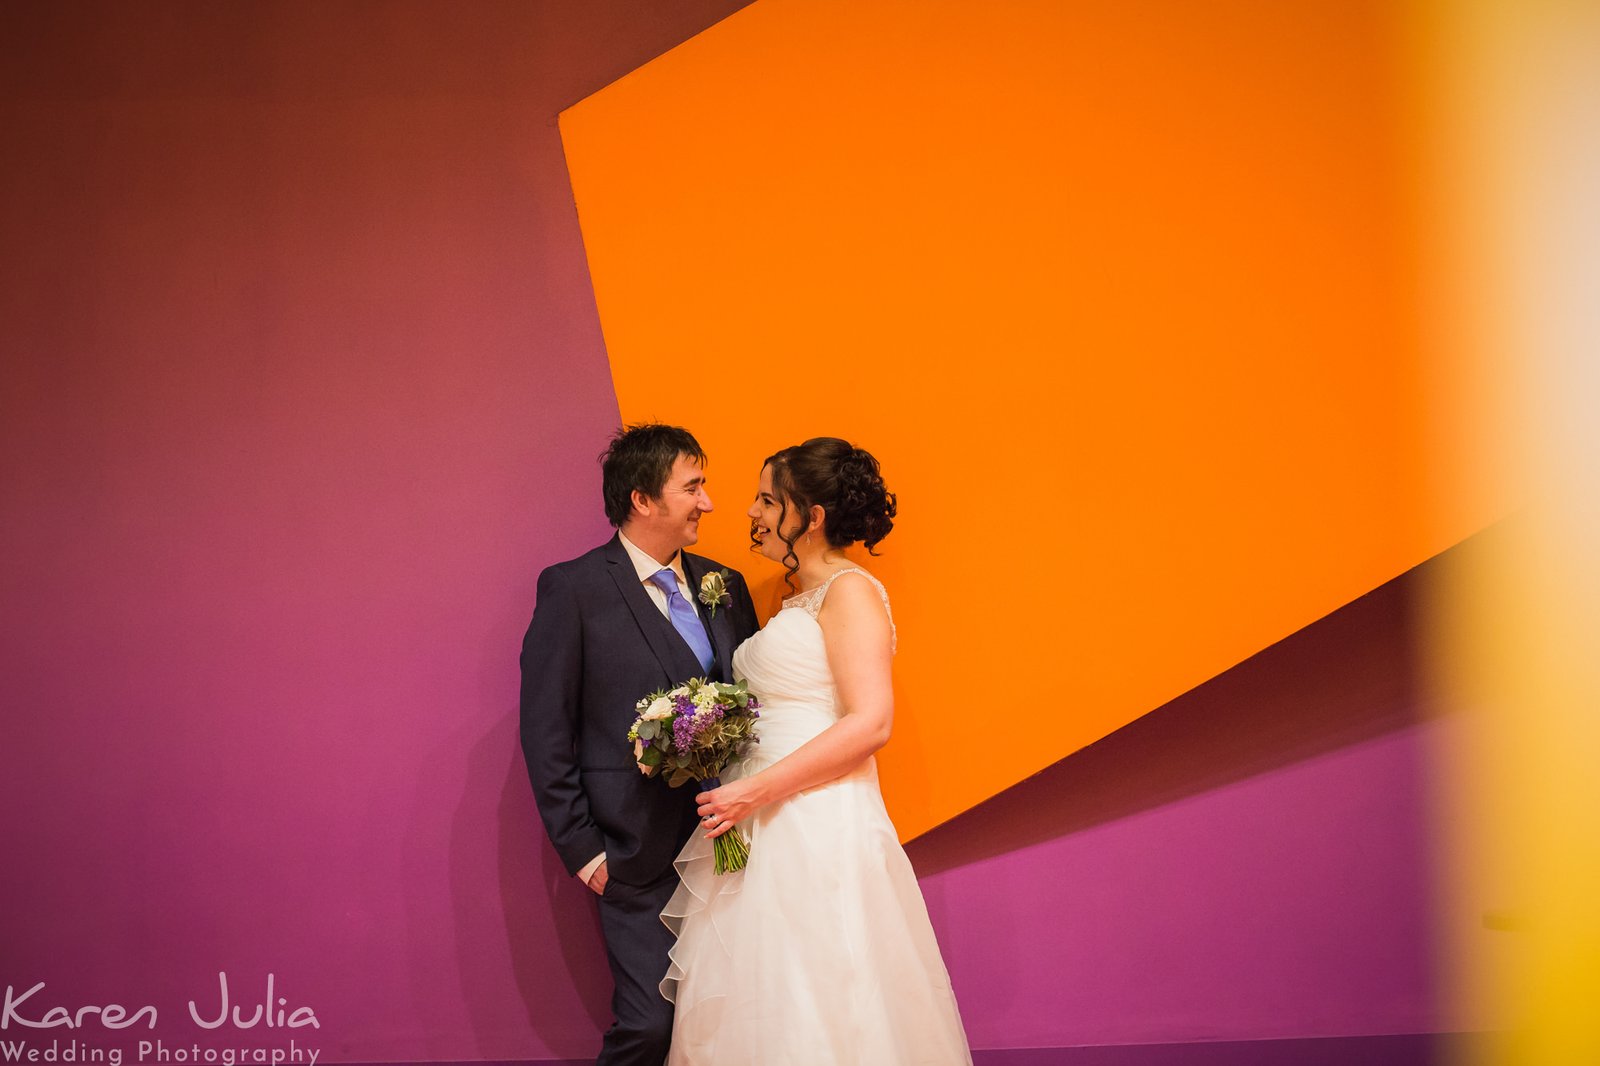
639,458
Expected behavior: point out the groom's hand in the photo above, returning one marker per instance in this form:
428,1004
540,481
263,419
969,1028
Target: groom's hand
597,880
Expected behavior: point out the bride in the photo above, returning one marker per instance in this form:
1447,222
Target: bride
819,952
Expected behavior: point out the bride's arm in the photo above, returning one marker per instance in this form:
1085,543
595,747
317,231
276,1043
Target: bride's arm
860,642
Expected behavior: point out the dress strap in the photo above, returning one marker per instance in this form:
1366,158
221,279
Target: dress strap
811,601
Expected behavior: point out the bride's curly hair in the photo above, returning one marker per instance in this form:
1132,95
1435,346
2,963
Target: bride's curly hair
844,481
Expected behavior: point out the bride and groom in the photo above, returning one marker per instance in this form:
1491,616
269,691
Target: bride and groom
820,950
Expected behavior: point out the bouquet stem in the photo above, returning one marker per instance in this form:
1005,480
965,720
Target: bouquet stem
732,851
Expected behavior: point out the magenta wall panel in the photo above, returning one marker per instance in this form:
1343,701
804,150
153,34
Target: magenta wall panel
1252,861
302,385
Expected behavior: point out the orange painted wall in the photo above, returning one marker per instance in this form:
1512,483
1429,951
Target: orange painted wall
1121,295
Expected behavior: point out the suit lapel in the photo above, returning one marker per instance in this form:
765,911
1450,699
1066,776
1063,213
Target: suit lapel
668,647
694,569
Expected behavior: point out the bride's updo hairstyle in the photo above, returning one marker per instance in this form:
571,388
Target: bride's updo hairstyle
841,479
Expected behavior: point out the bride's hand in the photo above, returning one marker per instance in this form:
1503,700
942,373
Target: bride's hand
726,806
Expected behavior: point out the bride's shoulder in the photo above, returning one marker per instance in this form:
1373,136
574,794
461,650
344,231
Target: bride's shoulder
859,576
857,607
852,588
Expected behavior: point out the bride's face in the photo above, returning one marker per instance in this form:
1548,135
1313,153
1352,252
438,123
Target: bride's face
765,514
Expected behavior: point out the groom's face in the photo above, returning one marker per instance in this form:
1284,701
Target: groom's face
675,516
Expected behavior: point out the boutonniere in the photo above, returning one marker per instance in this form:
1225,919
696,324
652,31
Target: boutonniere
714,591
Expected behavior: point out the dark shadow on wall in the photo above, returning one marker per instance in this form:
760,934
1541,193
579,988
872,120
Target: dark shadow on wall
1348,677
556,903
532,915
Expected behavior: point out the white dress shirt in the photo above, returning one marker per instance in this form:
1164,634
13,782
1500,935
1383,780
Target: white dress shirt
647,567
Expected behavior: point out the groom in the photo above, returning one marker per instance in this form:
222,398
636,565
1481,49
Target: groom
609,627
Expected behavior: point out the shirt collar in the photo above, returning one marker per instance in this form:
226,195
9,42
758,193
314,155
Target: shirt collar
645,566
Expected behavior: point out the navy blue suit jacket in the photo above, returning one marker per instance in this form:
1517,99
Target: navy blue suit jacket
597,643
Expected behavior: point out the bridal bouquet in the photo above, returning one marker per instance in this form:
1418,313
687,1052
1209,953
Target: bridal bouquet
693,732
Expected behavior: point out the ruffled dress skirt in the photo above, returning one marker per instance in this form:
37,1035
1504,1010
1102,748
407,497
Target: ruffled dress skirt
819,952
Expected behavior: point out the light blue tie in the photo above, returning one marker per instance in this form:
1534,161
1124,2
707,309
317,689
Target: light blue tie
683,616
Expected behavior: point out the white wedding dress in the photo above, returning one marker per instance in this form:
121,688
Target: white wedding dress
819,952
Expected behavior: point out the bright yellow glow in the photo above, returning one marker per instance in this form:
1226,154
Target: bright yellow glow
1513,95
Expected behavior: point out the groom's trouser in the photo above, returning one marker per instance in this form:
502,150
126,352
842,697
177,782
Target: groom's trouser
637,944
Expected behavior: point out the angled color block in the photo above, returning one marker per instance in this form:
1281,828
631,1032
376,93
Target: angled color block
1120,294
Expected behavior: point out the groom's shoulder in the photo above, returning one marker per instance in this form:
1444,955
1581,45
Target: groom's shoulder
705,563
592,561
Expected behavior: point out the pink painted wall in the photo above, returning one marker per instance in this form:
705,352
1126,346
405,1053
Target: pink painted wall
302,385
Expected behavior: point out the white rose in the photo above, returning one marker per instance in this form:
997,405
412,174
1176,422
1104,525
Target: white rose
661,708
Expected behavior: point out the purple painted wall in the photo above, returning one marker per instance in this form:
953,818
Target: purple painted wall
302,384
1249,862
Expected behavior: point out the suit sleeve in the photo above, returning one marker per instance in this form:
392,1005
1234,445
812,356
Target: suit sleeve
552,673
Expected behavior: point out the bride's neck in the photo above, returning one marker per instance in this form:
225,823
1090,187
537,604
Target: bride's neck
815,566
